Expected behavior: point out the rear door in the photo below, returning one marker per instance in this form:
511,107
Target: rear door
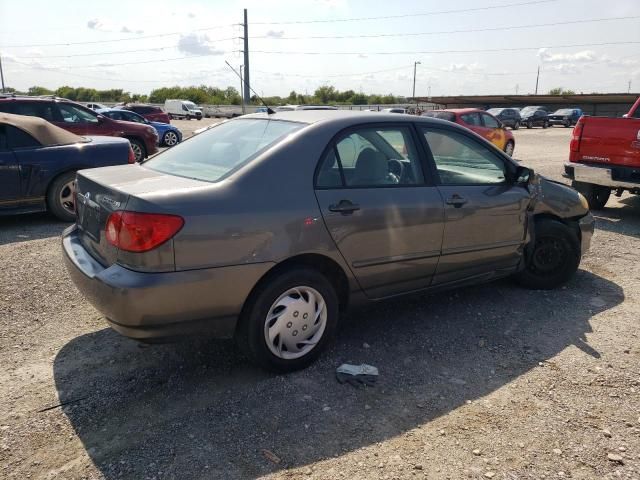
472,122
9,175
493,131
485,212
384,214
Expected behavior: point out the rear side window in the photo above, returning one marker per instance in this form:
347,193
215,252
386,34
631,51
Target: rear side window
371,157
472,119
214,154
36,109
17,138
449,116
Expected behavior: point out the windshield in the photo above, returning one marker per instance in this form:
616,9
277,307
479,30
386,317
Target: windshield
442,115
191,105
215,153
526,110
563,111
495,111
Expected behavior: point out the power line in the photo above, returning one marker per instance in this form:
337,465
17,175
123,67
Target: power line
65,44
406,15
434,52
442,32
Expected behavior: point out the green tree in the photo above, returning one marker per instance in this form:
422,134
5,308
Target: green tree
35,91
561,91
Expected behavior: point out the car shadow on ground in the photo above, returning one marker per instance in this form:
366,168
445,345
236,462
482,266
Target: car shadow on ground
32,226
198,409
624,220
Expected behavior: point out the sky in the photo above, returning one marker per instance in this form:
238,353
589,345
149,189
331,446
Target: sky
465,47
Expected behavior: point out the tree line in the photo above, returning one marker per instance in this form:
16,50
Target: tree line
203,94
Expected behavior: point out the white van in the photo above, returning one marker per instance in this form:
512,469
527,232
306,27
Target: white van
182,109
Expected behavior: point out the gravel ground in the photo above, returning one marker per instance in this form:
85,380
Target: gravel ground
485,382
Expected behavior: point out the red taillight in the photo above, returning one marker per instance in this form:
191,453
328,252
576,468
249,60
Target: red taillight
132,156
576,137
141,232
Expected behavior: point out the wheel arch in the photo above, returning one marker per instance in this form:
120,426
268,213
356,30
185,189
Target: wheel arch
321,263
57,175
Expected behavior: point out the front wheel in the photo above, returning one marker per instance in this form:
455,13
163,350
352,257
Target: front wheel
597,196
509,147
545,124
60,199
170,138
554,257
516,125
529,124
138,149
188,117
289,320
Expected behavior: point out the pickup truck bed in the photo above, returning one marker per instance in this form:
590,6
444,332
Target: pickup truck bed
605,156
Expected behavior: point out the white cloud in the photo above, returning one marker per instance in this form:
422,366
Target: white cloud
193,44
463,67
584,56
105,25
275,33
191,15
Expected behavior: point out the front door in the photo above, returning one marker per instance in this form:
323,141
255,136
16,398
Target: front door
493,131
78,120
9,175
485,211
385,216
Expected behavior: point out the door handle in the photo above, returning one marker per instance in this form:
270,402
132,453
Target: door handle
344,206
456,200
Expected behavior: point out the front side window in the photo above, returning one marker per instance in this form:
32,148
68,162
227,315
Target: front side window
73,114
132,117
489,121
461,160
371,157
472,119
212,155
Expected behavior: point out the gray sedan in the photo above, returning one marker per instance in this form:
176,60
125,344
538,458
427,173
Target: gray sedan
265,228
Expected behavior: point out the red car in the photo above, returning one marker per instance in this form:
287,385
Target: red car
153,114
482,123
81,120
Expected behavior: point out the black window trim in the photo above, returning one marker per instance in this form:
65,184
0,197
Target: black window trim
510,164
428,181
20,149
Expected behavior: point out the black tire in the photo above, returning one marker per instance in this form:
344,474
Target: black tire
567,124
250,335
509,148
597,196
188,117
545,124
139,150
57,190
554,258
516,126
529,124
170,117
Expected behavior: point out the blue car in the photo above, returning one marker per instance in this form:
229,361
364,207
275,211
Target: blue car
38,164
168,135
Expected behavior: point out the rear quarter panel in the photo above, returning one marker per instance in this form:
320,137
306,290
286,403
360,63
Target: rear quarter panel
39,166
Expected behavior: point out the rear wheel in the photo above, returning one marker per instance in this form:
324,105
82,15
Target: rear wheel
289,320
545,124
529,124
554,259
60,201
516,125
509,147
138,149
596,195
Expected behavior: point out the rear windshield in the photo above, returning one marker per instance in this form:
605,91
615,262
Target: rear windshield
215,153
495,111
442,115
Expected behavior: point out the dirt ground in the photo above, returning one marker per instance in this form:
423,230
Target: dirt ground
485,382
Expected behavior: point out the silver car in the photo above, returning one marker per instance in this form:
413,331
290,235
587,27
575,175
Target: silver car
265,228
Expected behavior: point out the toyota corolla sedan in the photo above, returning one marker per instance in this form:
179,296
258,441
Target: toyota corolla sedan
265,228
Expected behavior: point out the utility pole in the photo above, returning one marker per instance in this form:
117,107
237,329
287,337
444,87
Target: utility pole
1,75
537,78
517,87
628,88
242,91
414,80
247,93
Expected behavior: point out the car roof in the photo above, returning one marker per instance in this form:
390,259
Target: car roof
462,110
44,132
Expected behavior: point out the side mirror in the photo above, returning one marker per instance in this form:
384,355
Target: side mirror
100,119
523,175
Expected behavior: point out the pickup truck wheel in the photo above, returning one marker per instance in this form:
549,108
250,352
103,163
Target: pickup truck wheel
60,201
529,124
554,257
597,196
138,149
289,320
516,125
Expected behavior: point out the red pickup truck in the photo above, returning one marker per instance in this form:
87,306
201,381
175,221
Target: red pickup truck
605,156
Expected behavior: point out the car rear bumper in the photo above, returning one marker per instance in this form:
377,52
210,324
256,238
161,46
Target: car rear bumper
159,306
587,227
613,176
559,121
